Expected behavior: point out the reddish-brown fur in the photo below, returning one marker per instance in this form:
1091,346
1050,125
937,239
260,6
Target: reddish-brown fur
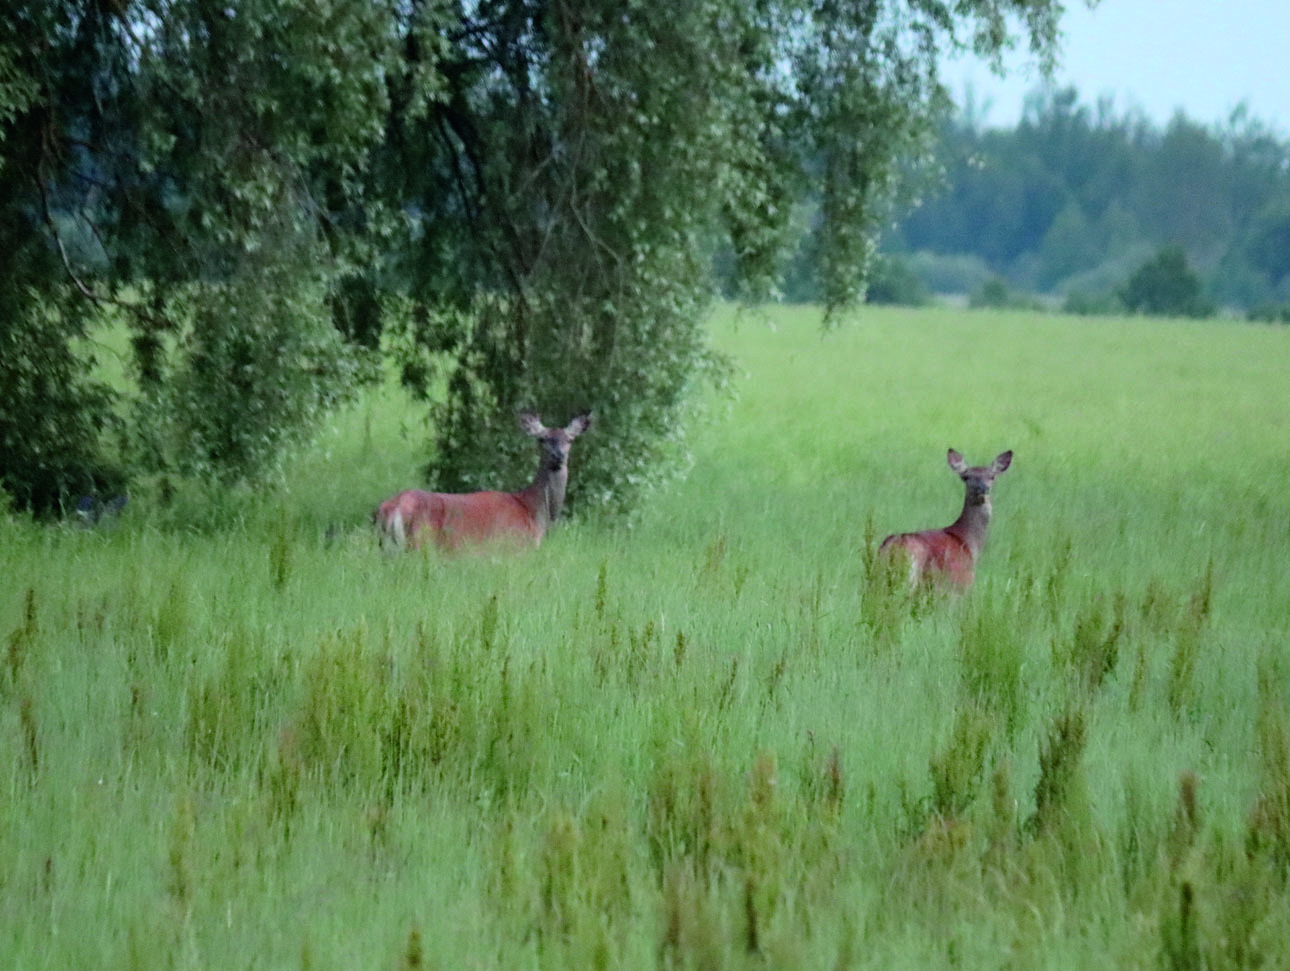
950,554
453,521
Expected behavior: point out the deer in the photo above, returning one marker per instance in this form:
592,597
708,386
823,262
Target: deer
950,554
456,520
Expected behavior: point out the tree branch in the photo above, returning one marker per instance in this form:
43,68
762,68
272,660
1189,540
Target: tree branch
82,287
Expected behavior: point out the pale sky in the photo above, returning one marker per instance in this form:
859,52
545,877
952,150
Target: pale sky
1202,56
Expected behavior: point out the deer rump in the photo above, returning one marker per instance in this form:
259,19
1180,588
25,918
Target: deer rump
934,556
950,554
453,521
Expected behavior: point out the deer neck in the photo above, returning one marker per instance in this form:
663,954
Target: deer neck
545,497
973,523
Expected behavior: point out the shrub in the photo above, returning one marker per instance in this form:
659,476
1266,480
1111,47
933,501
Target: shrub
893,282
259,368
1166,286
53,415
994,293
1086,304
1270,313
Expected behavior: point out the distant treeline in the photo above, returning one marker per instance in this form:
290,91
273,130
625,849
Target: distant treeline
1075,199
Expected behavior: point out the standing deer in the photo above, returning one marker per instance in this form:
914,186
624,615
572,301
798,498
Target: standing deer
477,518
951,553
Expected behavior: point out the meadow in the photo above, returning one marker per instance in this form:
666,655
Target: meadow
234,734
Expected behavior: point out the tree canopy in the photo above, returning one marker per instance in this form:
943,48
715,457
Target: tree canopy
1076,196
517,201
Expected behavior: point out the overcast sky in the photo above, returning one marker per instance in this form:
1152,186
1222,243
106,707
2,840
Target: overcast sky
1202,56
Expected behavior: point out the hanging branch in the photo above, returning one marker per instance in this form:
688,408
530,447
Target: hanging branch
161,323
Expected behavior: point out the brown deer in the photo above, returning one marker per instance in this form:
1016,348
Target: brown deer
453,521
951,553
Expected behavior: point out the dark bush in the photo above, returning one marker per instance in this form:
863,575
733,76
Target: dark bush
994,293
53,416
1166,286
1270,313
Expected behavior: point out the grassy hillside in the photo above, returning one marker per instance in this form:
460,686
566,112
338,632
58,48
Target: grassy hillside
247,739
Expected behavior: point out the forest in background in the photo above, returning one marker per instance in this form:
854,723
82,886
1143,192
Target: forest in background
1077,198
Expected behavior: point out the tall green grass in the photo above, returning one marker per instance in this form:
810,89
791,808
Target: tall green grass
237,735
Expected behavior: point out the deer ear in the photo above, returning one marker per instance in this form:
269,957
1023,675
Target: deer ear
956,461
579,425
531,424
1002,461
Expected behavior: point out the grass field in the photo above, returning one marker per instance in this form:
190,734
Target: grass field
240,737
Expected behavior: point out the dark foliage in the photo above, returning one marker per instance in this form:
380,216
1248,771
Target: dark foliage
519,199
1166,286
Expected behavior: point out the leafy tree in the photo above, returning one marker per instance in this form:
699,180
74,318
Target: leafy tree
994,294
1189,163
1069,245
163,163
581,162
1268,242
52,414
517,198
1166,286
